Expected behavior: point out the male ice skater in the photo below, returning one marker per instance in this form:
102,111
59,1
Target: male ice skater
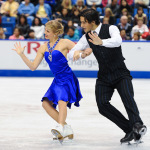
105,42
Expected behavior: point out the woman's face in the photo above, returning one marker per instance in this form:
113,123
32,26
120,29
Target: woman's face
76,12
135,37
124,3
41,2
22,20
140,22
70,23
36,21
124,13
49,34
140,12
70,32
67,2
107,13
16,32
64,12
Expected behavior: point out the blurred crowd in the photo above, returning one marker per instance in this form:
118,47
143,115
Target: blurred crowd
132,17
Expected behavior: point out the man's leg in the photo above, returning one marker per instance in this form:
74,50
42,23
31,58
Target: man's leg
103,96
125,89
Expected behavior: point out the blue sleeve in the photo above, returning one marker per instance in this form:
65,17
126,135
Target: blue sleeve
48,9
32,9
20,9
36,8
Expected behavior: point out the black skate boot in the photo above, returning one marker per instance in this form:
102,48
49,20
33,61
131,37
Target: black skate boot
139,130
128,137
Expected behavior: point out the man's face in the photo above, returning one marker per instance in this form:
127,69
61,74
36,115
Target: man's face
85,25
124,20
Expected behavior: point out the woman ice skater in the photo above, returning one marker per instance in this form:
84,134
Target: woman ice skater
64,89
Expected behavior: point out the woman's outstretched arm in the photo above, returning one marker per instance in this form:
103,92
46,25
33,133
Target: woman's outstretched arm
32,65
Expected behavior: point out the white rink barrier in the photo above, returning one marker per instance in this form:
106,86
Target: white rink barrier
137,55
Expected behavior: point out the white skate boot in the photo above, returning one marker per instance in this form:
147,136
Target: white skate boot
58,132
68,132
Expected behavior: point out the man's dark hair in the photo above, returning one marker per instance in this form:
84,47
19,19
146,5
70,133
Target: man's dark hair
91,15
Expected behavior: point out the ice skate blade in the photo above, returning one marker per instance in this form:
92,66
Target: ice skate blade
58,136
70,137
125,143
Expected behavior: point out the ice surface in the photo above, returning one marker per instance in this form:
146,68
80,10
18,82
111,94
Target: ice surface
24,124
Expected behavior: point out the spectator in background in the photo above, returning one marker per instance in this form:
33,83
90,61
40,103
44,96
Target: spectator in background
136,36
70,23
114,7
38,28
2,35
110,15
126,13
65,4
123,35
96,2
23,25
71,35
80,5
27,9
141,3
104,3
130,2
64,17
34,2
93,6
75,16
43,10
123,5
105,20
16,34
9,8
140,14
31,35
140,27
125,25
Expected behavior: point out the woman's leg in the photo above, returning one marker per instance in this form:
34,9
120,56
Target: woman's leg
62,112
52,112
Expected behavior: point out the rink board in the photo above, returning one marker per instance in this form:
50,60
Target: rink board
137,56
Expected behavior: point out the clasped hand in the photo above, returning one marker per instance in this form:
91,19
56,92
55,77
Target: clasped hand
84,54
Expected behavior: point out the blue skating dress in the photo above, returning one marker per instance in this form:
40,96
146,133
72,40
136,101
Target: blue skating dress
65,85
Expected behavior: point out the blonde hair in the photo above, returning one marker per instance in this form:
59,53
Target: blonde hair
110,11
55,26
64,5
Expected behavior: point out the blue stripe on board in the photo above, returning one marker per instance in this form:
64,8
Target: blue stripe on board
47,73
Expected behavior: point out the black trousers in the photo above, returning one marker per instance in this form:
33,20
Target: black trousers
104,92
